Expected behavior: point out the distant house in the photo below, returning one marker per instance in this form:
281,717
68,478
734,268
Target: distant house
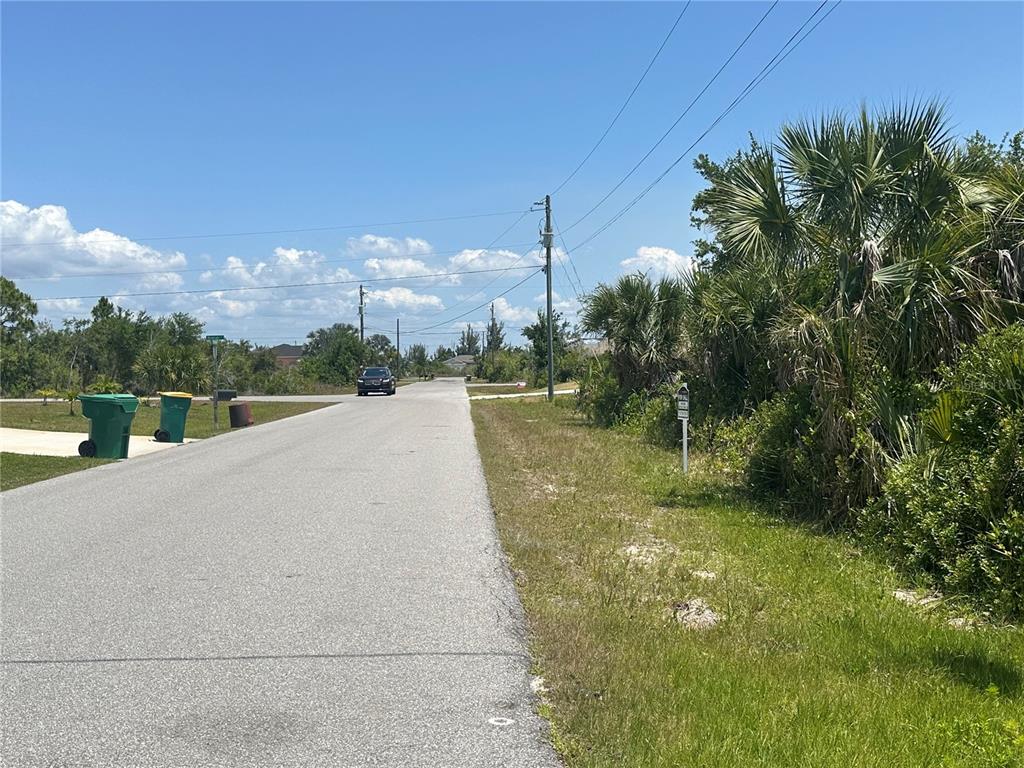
460,362
287,355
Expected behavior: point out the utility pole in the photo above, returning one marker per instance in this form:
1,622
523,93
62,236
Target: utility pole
491,348
361,312
398,344
548,237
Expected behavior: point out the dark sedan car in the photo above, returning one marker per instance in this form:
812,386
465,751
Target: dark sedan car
376,380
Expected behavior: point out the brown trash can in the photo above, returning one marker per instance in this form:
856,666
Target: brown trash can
240,415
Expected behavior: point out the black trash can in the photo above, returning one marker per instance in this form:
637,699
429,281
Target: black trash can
240,415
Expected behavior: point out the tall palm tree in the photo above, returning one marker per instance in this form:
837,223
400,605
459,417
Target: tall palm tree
642,322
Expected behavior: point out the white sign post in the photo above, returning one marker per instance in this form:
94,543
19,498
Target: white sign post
683,414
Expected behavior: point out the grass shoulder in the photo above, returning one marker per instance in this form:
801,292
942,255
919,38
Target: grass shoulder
512,389
809,660
18,469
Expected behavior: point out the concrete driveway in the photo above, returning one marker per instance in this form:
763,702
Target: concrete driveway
325,590
37,442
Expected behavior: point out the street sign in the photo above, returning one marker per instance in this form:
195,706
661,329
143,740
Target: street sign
215,338
683,413
683,403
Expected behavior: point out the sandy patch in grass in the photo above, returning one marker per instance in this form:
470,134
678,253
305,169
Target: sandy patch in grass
694,613
645,554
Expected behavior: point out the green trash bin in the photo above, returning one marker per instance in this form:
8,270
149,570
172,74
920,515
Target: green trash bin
173,412
110,425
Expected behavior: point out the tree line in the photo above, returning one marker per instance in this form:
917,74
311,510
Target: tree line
118,350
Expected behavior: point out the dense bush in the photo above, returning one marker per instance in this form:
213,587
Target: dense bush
652,417
600,396
955,510
504,365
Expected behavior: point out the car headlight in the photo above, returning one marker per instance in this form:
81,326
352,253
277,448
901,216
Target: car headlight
360,381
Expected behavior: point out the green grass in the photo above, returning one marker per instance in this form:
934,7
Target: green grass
17,469
512,389
54,417
814,662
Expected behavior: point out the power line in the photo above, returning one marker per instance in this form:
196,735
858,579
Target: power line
626,102
480,306
65,241
572,264
263,266
766,70
679,119
284,285
496,277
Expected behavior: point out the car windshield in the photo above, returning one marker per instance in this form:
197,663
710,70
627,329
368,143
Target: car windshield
376,372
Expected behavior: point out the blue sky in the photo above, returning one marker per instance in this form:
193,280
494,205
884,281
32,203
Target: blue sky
165,119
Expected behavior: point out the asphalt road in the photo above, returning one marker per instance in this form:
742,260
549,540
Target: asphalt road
325,590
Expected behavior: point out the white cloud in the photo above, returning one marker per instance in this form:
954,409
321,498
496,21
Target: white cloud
508,313
398,267
482,258
40,242
403,298
377,245
569,306
658,261
288,265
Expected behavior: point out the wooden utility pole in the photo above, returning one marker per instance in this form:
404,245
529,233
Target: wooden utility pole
548,237
398,344
362,308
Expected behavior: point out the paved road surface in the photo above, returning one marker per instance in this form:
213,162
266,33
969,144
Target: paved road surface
326,590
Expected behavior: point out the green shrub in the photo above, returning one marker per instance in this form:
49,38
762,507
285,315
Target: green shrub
104,385
652,417
956,509
289,381
600,398
774,450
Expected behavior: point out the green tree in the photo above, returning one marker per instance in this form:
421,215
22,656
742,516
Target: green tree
642,322
17,311
851,259
17,322
494,335
418,362
381,350
335,355
469,342
537,334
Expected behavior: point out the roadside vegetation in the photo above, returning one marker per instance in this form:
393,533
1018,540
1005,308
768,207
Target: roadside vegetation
852,338
17,469
679,620
59,418
117,350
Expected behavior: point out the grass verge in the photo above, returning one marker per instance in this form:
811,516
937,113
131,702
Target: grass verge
54,417
813,662
18,469
512,389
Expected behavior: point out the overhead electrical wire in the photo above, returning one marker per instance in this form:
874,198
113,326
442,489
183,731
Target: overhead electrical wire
625,104
234,289
496,277
536,271
678,119
765,71
66,241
